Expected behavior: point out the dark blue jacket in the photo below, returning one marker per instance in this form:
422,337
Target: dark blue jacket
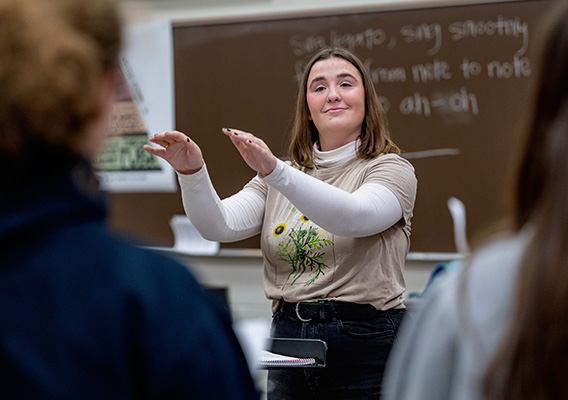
86,315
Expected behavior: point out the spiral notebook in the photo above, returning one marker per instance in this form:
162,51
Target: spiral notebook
269,359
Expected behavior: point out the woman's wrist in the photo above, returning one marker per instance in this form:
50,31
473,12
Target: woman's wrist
190,171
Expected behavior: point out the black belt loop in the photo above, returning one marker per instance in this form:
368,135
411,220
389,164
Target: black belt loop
333,311
322,310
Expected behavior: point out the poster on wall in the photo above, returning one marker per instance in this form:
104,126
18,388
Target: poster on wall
144,106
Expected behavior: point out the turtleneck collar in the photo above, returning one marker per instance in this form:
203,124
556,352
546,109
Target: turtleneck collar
325,159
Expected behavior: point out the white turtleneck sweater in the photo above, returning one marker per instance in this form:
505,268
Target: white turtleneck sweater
370,209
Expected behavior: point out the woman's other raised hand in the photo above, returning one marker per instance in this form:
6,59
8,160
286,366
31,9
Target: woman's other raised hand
253,150
182,153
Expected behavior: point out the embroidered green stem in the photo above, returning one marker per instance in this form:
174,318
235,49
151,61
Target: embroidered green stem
301,252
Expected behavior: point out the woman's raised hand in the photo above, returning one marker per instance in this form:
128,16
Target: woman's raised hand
183,154
253,150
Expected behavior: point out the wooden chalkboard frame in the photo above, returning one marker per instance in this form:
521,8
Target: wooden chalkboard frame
457,107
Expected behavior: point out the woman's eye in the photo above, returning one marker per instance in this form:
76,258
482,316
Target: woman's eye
346,84
319,89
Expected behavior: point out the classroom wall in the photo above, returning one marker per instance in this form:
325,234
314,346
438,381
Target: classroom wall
179,10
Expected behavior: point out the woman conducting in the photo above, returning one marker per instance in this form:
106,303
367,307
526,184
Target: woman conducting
334,225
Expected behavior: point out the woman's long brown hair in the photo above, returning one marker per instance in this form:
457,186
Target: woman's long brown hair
375,135
532,363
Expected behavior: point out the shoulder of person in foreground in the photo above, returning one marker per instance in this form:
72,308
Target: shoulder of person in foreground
422,362
183,336
466,309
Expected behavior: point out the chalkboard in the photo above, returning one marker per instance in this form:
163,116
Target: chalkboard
456,82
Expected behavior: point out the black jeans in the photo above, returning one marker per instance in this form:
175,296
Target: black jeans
356,357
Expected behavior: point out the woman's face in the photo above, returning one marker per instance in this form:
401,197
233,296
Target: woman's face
336,102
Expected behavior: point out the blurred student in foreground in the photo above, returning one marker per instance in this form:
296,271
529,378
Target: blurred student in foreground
84,314
497,329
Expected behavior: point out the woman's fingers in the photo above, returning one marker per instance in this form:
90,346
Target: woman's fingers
155,151
178,150
238,136
167,139
158,141
253,150
241,139
171,143
232,134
